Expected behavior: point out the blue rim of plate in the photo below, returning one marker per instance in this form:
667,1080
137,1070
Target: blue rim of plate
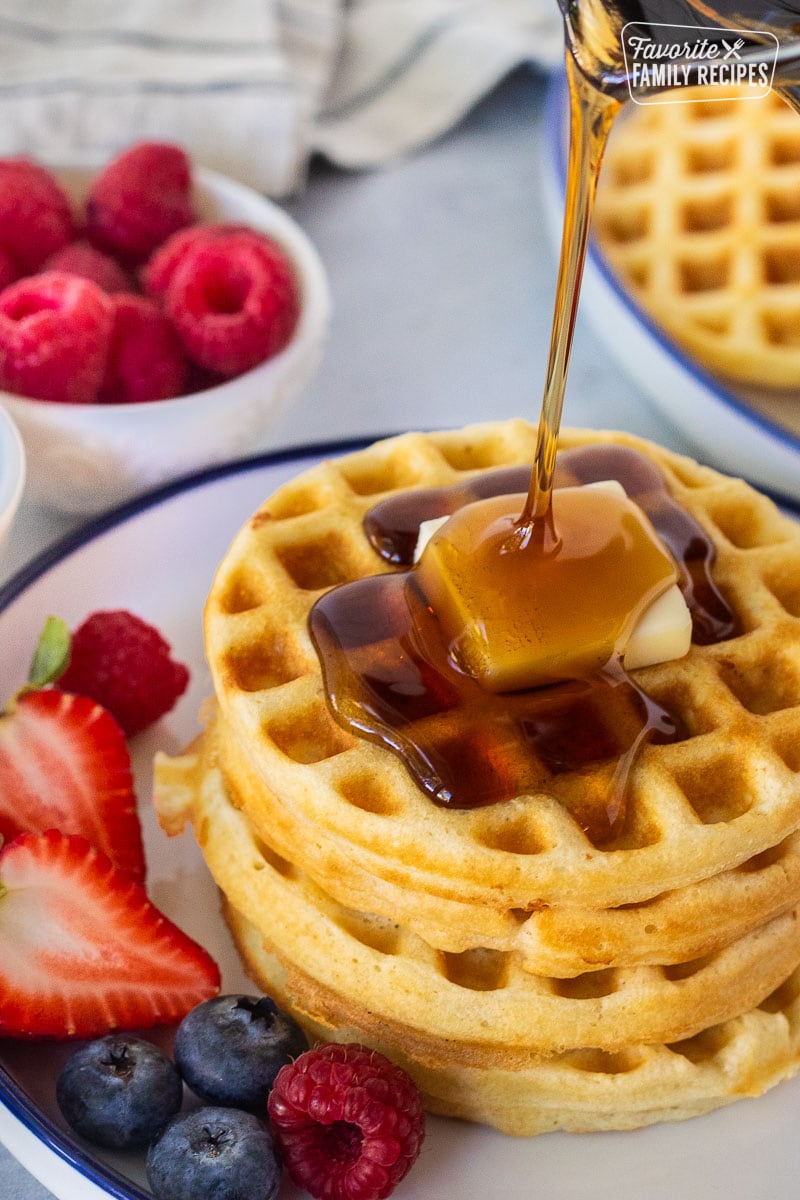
555,109
12,1095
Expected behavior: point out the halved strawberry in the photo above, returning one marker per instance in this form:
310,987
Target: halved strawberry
64,764
83,950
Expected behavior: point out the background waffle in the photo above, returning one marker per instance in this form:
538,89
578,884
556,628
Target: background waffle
727,792
698,212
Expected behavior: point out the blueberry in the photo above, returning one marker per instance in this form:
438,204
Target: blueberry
219,1152
230,1049
119,1091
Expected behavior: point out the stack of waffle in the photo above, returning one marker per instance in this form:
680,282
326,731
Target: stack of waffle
525,976
698,212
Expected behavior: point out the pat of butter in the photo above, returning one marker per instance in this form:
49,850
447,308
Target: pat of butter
426,531
661,633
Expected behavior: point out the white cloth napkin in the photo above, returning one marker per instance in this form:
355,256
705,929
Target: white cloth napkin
253,87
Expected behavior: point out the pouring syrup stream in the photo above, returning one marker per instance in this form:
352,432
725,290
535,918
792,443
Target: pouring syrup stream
592,113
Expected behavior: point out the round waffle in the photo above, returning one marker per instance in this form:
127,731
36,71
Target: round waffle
728,791
525,974
560,940
580,1090
512,1086
698,212
369,972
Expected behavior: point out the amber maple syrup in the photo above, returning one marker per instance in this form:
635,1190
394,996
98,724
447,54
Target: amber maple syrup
391,677
393,671
592,113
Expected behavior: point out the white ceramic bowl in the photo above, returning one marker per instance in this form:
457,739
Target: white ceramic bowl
83,458
12,474
734,429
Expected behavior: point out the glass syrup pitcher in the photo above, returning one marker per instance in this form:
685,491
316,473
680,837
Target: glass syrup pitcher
593,32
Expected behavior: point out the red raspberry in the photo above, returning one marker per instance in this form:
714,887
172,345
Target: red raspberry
81,258
234,302
54,336
124,664
35,214
349,1124
158,272
145,359
9,271
201,380
140,198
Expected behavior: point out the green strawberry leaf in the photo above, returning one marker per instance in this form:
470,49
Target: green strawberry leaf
51,656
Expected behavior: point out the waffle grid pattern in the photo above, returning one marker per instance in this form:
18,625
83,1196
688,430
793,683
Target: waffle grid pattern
385,973
562,940
698,807
698,211
584,1089
519,1089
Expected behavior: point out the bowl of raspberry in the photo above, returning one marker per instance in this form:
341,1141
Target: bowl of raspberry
12,474
155,318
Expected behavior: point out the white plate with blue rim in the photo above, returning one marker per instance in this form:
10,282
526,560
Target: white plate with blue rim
743,431
157,556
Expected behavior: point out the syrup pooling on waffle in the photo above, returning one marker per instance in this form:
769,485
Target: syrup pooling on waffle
729,790
389,675
392,526
698,212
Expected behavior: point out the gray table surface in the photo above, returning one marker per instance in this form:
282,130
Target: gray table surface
442,273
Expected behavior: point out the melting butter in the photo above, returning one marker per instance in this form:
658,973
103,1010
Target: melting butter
518,618
662,634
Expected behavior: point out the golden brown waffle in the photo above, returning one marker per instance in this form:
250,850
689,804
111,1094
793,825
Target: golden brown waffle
698,212
580,1090
585,1089
315,944
564,940
730,790
371,973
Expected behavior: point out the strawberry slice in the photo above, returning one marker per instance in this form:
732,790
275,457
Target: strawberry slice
83,950
64,764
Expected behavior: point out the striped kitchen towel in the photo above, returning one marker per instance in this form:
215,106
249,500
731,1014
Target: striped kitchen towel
409,69
253,87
